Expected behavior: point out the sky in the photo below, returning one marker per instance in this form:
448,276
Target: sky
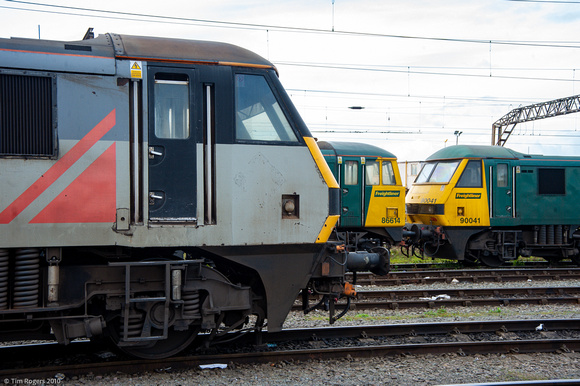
403,75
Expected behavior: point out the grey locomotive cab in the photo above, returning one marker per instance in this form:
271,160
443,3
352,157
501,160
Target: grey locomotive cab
148,197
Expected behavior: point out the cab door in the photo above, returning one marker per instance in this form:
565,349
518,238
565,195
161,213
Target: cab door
172,145
351,193
502,190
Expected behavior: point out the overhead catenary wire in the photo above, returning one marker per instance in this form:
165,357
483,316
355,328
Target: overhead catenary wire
344,93
230,24
546,1
415,72
404,69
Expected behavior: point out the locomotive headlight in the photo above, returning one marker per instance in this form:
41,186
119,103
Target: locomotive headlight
392,212
460,211
290,206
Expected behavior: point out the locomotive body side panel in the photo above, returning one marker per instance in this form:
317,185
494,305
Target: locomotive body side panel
76,197
541,190
546,192
255,212
73,198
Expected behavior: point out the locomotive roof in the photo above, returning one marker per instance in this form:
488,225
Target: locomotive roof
355,149
143,48
474,151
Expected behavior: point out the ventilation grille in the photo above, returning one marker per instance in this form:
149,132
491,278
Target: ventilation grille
26,116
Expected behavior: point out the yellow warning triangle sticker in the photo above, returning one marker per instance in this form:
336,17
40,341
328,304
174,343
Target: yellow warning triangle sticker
135,66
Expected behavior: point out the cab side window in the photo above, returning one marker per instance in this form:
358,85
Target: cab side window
388,174
258,113
425,173
551,181
471,176
372,173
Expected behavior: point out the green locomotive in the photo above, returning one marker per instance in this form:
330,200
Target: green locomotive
490,204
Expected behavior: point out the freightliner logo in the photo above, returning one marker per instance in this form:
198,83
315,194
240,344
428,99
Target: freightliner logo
467,196
387,193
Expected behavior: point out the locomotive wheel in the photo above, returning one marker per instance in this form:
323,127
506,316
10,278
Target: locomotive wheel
158,349
470,258
176,342
491,260
468,262
555,260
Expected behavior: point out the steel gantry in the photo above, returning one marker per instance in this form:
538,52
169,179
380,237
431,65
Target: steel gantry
503,127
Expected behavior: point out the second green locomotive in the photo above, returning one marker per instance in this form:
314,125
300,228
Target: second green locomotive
490,204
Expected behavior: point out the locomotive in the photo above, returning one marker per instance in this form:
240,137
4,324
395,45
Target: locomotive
490,204
372,199
155,192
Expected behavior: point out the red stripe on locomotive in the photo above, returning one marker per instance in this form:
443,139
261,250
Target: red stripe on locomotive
58,169
91,197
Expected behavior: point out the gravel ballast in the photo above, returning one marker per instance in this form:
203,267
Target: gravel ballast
410,370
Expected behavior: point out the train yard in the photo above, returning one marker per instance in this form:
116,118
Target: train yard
189,226
515,321
184,263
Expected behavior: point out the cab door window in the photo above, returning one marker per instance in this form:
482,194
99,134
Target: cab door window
502,175
351,173
171,106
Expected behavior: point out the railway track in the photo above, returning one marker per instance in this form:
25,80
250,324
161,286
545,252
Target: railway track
399,299
465,275
463,338
460,265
